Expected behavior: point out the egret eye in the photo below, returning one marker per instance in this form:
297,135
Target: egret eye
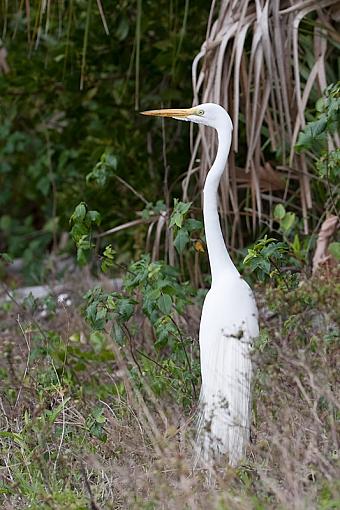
200,112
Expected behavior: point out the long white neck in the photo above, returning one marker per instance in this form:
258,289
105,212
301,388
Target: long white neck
218,255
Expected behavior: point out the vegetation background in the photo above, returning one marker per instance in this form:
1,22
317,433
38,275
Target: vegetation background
103,259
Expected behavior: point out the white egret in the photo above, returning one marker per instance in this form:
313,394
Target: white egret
229,317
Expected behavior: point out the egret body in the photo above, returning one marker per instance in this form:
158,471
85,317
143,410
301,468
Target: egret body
229,316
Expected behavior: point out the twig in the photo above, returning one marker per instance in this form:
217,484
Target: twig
88,488
124,226
128,186
12,298
186,356
27,360
128,334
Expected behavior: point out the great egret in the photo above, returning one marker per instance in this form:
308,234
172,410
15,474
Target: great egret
229,317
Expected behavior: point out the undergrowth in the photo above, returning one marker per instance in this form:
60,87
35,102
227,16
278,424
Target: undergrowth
89,422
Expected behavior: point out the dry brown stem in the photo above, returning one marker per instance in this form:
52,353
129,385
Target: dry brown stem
254,62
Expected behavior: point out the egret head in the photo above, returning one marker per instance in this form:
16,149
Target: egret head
209,114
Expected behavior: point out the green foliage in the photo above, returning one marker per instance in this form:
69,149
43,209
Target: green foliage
316,138
76,414
329,165
102,307
156,280
82,221
265,258
21,240
285,219
280,261
60,145
183,227
153,209
290,231
108,258
152,289
103,170
334,249
5,258
96,422
179,212
314,135
69,404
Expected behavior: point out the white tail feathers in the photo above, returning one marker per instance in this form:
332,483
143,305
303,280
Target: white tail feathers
224,420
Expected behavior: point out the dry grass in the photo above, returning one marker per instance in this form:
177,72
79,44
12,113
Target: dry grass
262,61
52,456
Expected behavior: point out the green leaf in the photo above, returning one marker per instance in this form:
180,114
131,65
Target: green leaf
99,418
264,265
179,212
103,170
6,258
165,329
314,134
84,243
251,254
98,340
279,212
79,212
53,414
97,176
275,249
122,29
287,222
81,257
101,313
329,165
5,223
165,303
109,252
181,240
153,294
125,308
109,160
176,219
192,224
321,104
94,217
334,250
108,258
78,231
16,438
296,245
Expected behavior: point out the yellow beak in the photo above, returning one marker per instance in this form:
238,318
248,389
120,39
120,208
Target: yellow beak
181,113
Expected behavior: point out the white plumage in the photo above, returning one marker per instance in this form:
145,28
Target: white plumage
226,333
229,317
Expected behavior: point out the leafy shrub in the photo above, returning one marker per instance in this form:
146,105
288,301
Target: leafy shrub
151,291
52,135
316,137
